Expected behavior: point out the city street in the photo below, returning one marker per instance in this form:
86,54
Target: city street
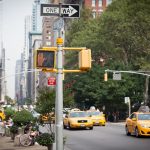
74,74
110,137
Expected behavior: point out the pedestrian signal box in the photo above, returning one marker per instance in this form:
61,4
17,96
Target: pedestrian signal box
45,59
85,59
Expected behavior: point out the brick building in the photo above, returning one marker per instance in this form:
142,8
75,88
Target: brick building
97,6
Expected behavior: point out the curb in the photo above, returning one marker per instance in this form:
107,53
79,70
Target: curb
117,123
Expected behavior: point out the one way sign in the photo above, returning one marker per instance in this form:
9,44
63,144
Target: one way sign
67,10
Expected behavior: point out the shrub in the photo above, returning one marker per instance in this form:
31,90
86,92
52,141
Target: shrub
22,118
14,129
9,112
45,139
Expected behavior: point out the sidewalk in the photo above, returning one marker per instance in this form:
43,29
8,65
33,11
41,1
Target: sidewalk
117,123
7,144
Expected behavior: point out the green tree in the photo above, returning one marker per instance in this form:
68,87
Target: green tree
121,37
45,100
68,98
9,100
9,112
22,118
28,101
125,32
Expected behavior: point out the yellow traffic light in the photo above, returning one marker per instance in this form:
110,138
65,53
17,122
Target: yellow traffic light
85,59
45,58
106,77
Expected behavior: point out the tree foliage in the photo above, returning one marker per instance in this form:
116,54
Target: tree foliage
45,100
121,37
22,117
8,100
9,112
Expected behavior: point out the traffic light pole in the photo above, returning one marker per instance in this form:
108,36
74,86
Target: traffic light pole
131,72
59,92
59,97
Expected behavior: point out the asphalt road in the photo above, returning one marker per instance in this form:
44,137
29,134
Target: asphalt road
110,137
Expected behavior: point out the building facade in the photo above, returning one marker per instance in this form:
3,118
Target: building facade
1,47
97,6
32,32
18,80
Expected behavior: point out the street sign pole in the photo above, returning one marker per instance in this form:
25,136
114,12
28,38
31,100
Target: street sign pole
128,101
59,91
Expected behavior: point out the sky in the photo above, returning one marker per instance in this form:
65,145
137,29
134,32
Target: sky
14,12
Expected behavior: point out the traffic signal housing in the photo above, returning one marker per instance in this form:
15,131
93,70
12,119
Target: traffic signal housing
45,58
85,59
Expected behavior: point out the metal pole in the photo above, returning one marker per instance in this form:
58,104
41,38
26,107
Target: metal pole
35,92
129,102
59,92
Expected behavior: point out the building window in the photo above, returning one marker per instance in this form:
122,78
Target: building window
48,43
93,3
100,3
108,2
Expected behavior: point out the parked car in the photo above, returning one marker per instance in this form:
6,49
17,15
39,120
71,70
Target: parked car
98,118
138,124
48,117
2,115
77,119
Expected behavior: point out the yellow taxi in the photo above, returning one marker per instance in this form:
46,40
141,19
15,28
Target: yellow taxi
138,124
98,118
77,119
2,115
48,117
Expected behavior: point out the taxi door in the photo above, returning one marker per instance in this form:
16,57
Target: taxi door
134,123
130,122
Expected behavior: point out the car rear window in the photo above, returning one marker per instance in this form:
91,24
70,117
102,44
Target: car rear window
78,114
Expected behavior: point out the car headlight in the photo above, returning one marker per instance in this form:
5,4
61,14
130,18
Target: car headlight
145,125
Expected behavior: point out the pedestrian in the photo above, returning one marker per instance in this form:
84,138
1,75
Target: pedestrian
114,116
117,116
2,128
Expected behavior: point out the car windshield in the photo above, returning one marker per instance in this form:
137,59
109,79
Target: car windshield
78,114
143,116
95,113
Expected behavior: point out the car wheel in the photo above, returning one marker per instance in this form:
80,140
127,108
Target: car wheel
127,131
137,132
64,126
91,128
69,126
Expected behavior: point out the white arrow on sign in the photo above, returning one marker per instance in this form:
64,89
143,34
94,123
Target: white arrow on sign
70,11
